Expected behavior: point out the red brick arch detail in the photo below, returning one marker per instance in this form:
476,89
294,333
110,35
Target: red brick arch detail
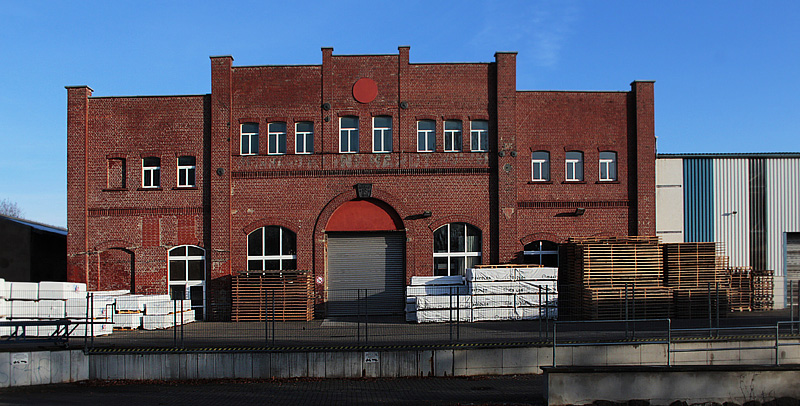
542,236
457,219
340,199
269,221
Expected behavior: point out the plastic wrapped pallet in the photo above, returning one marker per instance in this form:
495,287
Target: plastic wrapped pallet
534,313
490,274
137,303
5,308
435,290
160,307
522,274
5,331
444,315
493,300
128,320
24,309
537,286
443,302
185,317
61,290
102,307
51,309
110,292
23,290
98,328
437,280
4,293
158,321
494,314
492,288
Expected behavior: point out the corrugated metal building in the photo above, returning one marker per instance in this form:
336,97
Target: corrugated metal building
748,202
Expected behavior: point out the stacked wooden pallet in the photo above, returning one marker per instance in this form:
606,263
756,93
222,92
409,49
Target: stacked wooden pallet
740,281
276,295
763,284
693,269
698,302
634,302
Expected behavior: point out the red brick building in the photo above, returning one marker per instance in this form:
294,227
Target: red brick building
365,169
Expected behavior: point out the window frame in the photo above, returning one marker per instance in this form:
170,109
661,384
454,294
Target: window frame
307,138
351,132
428,136
252,140
576,163
151,173
382,134
280,257
539,252
450,255
191,172
610,165
452,135
542,163
481,134
187,283
278,136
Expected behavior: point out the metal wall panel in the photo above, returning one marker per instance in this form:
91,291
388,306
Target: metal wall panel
669,199
698,199
783,208
732,208
758,182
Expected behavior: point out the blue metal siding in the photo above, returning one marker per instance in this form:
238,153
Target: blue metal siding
698,200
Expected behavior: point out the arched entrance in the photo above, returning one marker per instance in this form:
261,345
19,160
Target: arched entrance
365,259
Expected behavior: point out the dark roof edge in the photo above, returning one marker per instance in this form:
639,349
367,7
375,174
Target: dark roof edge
35,224
733,155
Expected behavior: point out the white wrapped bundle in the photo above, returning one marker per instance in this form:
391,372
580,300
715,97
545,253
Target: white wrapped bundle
138,302
535,286
51,309
61,290
188,317
5,308
158,321
443,302
111,292
490,274
494,314
435,290
533,313
4,289
493,300
128,320
94,329
523,274
437,280
23,290
493,288
24,309
77,308
440,316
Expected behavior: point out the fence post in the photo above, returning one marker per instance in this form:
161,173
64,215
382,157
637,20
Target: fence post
451,313
458,315
777,334
717,304
669,342
174,323
91,316
182,322
540,311
366,316
554,343
272,296
710,322
627,314
85,326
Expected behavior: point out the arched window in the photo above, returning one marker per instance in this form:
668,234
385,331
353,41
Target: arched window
574,166
540,166
542,252
187,276
271,248
456,247
608,166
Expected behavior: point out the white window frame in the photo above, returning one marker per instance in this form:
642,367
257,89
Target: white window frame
480,135
465,254
541,163
348,133
381,135
188,170
280,257
607,164
304,140
151,175
570,167
540,253
453,135
188,283
276,139
250,137
426,136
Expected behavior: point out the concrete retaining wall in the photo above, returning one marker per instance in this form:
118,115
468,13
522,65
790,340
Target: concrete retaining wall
42,367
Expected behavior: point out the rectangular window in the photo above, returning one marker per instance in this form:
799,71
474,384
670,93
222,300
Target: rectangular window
186,171
540,166
382,134
608,166
304,137
348,135
426,136
276,137
479,130
249,144
574,166
452,136
151,172
116,173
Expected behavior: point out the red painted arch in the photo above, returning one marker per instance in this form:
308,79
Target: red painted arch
364,215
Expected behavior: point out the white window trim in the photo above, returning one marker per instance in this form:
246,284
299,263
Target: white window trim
249,141
607,163
481,133
188,283
187,168
541,163
148,173
450,255
427,134
277,136
574,163
452,135
349,131
540,253
380,149
280,257
302,137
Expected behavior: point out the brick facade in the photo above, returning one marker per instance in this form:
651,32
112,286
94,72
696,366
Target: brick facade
118,226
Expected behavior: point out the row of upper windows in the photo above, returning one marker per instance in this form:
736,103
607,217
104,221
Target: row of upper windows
349,136
573,166
151,172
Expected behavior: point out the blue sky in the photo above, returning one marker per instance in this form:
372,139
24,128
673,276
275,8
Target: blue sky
726,72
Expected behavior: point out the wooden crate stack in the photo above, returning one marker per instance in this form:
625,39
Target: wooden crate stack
763,284
741,288
281,295
693,269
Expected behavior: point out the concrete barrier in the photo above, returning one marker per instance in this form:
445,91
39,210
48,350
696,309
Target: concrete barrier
42,367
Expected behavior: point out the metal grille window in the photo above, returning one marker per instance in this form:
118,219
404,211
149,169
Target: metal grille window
574,166
456,247
151,172
276,137
271,248
249,145
348,134
452,136
186,171
426,136
608,165
187,276
479,130
540,166
304,137
382,134
541,252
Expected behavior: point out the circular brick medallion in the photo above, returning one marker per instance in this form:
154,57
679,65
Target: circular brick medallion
365,90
